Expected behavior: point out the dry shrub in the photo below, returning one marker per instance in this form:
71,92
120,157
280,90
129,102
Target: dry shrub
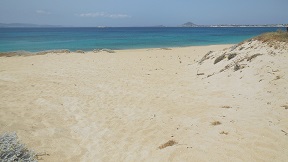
214,123
103,50
241,48
220,58
226,133
226,107
277,77
79,51
9,54
167,144
253,56
234,47
225,68
108,50
53,51
12,150
285,106
231,56
205,57
237,67
280,36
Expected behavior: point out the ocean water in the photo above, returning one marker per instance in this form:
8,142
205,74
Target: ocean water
41,39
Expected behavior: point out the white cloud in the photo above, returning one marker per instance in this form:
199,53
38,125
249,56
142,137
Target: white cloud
103,14
43,12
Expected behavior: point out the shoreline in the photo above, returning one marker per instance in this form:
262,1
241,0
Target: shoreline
63,51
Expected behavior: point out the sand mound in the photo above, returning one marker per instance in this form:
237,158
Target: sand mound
242,55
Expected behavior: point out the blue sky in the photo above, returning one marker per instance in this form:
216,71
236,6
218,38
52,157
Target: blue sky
143,12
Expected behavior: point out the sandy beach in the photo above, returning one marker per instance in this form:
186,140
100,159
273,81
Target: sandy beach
125,106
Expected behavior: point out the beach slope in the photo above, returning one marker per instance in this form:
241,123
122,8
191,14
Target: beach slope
210,103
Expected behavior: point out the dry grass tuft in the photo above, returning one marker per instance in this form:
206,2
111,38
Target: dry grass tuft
220,58
231,56
79,51
216,123
241,48
237,67
226,107
253,56
285,106
103,50
167,144
207,56
108,50
226,133
277,77
270,37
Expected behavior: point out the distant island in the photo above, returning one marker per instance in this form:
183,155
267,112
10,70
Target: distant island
190,24
193,25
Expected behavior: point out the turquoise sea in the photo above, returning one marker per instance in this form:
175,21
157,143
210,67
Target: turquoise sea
41,39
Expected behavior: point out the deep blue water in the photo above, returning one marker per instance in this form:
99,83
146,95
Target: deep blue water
40,39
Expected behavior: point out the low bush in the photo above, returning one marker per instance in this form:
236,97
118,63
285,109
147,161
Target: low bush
231,56
12,150
220,58
280,36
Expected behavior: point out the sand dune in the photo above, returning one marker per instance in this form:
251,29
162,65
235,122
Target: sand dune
123,106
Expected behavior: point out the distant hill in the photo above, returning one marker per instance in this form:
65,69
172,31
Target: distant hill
23,25
189,24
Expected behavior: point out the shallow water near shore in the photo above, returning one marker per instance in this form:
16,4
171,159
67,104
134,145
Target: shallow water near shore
41,39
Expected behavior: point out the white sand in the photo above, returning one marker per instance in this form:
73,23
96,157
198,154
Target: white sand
122,106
